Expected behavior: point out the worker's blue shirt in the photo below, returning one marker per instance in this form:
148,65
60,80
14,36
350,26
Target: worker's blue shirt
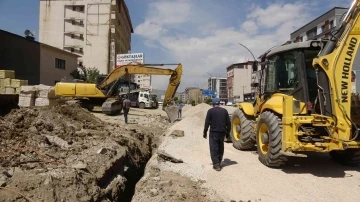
180,106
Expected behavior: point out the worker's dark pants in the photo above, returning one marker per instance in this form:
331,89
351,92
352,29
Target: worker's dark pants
179,113
126,111
216,141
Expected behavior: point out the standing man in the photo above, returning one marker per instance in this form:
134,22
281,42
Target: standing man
126,107
218,120
180,106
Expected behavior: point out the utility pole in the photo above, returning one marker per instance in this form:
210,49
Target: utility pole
243,93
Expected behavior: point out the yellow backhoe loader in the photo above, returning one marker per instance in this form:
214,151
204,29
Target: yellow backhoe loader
106,94
304,102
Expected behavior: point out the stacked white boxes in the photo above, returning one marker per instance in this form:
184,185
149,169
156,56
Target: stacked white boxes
45,95
27,96
37,95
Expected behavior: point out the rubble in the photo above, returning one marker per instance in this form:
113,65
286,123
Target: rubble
167,157
68,154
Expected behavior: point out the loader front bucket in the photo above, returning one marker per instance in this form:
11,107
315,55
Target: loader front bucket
172,113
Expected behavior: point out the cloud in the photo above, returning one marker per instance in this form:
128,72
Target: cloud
205,39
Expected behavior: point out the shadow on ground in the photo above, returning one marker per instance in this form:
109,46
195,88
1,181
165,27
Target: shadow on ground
228,162
318,164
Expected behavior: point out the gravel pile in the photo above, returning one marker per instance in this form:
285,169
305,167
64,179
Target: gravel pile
192,125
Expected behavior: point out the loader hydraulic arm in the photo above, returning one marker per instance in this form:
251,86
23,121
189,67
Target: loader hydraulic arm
334,65
174,80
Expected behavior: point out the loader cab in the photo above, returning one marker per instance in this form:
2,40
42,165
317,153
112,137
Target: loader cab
289,71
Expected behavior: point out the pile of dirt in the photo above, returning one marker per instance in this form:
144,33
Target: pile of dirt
158,186
64,153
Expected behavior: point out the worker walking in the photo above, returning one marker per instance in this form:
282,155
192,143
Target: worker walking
218,120
180,106
126,107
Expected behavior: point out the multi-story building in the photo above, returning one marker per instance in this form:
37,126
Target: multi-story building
239,78
193,94
320,27
143,80
218,85
33,61
182,97
96,30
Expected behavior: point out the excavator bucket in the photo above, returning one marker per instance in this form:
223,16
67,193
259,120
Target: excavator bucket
172,113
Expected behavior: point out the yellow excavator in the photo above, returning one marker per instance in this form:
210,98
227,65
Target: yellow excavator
304,101
106,93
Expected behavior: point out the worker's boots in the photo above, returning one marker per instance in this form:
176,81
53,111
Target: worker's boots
217,167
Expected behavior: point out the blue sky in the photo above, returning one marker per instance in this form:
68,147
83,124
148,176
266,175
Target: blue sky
203,35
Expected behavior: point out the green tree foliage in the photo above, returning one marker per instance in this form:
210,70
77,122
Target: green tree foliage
87,74
208,101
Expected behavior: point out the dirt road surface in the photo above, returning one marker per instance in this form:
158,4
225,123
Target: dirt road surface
243,177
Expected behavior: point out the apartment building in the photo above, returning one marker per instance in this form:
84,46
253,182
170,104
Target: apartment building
218,85
33,61
182,97
95,30
239,78
143,80
320,27
193,94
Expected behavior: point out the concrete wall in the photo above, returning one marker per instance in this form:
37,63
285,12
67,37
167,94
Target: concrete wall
103,35
49,74
21,55
242,82
239,81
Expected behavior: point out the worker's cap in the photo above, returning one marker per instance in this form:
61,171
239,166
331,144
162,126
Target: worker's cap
216,101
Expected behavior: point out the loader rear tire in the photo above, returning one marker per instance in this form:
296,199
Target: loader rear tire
242,131
349,157
268,140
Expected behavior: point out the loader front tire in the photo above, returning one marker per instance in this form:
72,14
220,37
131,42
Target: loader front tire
242,131
349,157
268,140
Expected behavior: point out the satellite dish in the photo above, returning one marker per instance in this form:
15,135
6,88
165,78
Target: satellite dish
29,33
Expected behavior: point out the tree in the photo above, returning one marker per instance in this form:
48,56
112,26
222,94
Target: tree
87,74
208,101
176,98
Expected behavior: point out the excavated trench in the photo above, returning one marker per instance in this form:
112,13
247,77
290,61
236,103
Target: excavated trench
131,167
61,153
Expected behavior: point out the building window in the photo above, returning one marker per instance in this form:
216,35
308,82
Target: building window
331,24
73,22
311,33
59,63
81,22
81,50
72,36
323,29
72,50
80,64
80,8
81,36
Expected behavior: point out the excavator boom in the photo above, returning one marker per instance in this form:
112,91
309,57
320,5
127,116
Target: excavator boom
174,82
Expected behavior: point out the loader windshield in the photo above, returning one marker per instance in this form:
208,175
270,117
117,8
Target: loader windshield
283,73
292,73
